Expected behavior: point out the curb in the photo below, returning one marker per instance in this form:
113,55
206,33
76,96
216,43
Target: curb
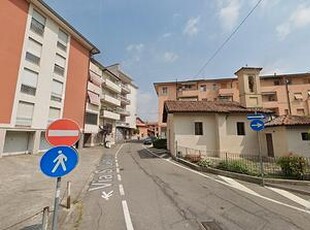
277,183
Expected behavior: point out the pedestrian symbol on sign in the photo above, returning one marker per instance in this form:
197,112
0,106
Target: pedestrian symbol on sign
60,161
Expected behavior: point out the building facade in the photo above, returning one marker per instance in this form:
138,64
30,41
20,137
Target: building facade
283,94
44,63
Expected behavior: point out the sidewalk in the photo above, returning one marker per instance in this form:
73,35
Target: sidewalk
25,190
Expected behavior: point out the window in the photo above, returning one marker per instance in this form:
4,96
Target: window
305,136
60,63
62,40
298,96
37,23
203,88
33,53
57,88
24,113
29,82
198,128
164,90
54,114
214,87
301,112
276,82
91,118
251,84
240,129
225,98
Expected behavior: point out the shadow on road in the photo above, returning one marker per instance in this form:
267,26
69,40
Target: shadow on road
143,154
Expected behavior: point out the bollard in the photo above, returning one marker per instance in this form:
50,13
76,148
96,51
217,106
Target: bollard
68,194
45,213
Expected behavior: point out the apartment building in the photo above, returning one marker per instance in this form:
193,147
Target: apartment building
45,71
281,93
126,124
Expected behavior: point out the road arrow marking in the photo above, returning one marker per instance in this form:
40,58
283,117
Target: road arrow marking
60,161
106,196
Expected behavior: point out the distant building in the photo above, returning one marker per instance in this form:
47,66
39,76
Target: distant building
281,93
45,71
147,128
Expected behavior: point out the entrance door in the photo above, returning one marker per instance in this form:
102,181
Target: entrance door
269,145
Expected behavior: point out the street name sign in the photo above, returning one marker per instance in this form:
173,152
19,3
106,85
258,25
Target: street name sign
59,161
257,125
63,132
255,116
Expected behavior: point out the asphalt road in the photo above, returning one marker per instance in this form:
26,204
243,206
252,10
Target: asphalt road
133,189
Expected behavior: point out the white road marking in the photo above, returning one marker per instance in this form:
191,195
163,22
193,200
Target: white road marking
127,215
117,170
291,196
237,185
106,196
62,133
117,165
121,190
221,182
116,154
119,178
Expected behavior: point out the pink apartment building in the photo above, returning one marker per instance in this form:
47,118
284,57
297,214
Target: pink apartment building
281,93
44,66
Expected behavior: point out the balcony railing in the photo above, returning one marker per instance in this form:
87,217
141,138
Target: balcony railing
122,124
109,114
23,121
125,88
112,85
123,112
124,100
110,99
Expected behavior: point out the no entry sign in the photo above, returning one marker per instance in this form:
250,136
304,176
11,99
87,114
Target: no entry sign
63,132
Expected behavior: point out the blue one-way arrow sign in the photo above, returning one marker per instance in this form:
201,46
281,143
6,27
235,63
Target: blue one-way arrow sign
58,161
257,125
255,116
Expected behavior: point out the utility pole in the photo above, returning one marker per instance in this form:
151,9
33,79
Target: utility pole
288,96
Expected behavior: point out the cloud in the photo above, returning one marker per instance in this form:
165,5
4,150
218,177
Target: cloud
166,35
229,13
135,51
299,18
135,47
170,57
191,27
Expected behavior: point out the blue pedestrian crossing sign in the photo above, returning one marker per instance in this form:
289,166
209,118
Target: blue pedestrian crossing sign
257,125
59,161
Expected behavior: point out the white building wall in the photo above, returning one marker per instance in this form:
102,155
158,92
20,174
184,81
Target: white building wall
132,108
279,140
295,143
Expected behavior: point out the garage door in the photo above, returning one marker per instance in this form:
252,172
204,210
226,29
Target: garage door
44,145
16,142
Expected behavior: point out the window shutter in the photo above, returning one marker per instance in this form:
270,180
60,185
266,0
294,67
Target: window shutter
37,16
63,37
54,113
34,47
61,61
29,78
57,87
25,110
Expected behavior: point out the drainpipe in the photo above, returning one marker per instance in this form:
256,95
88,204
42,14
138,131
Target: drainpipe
287,96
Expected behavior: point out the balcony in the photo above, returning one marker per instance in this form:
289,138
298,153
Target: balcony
125,89
123,112
109,114
94,88
112,86
110,99
124,100
122,124
226,92
188,93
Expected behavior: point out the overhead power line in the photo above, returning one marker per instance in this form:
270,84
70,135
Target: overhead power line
227,39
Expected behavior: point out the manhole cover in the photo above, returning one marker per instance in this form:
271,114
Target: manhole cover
211,225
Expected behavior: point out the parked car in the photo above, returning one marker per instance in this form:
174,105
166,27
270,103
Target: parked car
149,140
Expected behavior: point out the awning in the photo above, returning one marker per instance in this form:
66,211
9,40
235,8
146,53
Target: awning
298,96
93,98
97,80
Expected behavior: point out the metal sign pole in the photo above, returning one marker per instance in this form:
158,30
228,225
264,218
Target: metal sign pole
56,204
260,159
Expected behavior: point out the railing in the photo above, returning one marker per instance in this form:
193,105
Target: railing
28,90
32,58
37,27
125,88
111,99
23,121
124,100
112,85
123,112
249,163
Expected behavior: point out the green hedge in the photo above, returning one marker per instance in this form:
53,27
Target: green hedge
235,166
292,166
160,143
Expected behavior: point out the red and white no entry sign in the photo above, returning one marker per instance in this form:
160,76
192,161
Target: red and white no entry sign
63,132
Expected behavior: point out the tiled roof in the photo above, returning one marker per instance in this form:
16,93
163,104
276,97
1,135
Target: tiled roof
289,120
209,106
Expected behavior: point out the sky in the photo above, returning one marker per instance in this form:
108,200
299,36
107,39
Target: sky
170,40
